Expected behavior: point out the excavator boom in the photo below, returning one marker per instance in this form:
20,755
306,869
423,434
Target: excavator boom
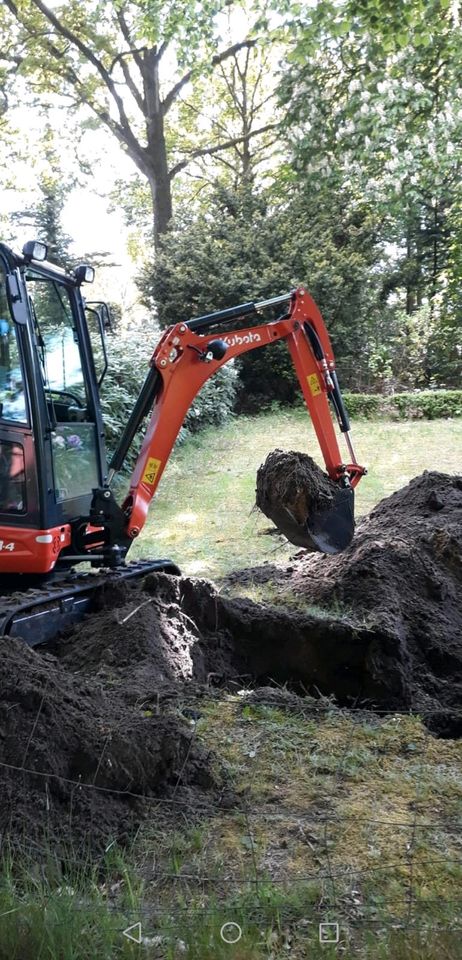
189,354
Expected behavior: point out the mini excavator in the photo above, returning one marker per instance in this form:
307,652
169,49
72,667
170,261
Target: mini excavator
57,508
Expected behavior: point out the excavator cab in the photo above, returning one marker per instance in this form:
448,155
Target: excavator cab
52,452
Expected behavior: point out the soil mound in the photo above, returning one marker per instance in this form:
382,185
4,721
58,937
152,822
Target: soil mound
80,759
388,624
151,639
95,729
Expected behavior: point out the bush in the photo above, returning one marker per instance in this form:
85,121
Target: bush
427,405
214,403
363,404
128,366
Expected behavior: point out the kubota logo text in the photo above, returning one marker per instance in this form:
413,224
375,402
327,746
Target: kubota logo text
238,341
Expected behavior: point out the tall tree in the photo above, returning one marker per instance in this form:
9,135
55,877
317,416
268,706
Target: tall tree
241,102
114,57
374,91
54,187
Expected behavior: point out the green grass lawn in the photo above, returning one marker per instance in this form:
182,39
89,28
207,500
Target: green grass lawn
203,518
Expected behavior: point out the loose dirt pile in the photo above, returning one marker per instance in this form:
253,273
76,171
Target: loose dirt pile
91,737
97,729
387,612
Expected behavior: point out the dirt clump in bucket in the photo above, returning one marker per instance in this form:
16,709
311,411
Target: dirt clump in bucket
294,481
302,501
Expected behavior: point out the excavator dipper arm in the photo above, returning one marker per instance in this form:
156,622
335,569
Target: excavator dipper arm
184,360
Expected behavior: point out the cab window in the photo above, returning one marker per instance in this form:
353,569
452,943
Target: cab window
12,478
58,343
12,394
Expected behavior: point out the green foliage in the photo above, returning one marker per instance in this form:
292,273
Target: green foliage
419,405
247,247
365,405
47,914
372,98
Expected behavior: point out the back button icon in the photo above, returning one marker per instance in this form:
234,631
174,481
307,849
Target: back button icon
133,932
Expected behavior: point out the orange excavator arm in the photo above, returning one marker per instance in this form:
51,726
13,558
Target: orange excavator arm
188,354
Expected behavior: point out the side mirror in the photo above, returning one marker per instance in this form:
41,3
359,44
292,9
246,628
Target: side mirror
107,318
97,320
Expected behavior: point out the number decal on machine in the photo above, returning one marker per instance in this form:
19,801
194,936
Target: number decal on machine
151,471
6,546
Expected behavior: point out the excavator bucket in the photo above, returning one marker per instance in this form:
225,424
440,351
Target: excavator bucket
327,530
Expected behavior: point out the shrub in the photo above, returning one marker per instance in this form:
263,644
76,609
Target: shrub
427,404
363,404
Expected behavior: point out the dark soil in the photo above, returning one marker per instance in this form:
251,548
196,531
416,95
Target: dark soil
94,731
387,612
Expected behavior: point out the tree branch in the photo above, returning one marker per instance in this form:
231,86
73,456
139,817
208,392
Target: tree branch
131,85
63,31
123,133
170,98
128,40
210,151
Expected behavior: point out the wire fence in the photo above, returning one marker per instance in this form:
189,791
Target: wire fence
428,838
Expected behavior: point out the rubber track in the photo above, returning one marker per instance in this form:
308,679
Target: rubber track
39,615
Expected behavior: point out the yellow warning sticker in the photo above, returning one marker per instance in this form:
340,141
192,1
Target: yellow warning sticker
151,471
314,385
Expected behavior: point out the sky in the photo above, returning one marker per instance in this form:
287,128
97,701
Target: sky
88,217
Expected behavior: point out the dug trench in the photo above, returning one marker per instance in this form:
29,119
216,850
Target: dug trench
97,728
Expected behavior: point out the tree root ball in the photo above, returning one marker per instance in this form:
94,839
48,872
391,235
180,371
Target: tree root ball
294,481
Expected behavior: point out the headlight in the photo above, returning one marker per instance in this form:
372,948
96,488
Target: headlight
84,273
35,250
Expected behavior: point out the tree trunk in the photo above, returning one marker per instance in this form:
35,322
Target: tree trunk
156,150
161,194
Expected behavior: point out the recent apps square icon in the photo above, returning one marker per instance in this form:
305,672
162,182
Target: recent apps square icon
329,933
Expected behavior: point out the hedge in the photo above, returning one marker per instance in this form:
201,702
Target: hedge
421,405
